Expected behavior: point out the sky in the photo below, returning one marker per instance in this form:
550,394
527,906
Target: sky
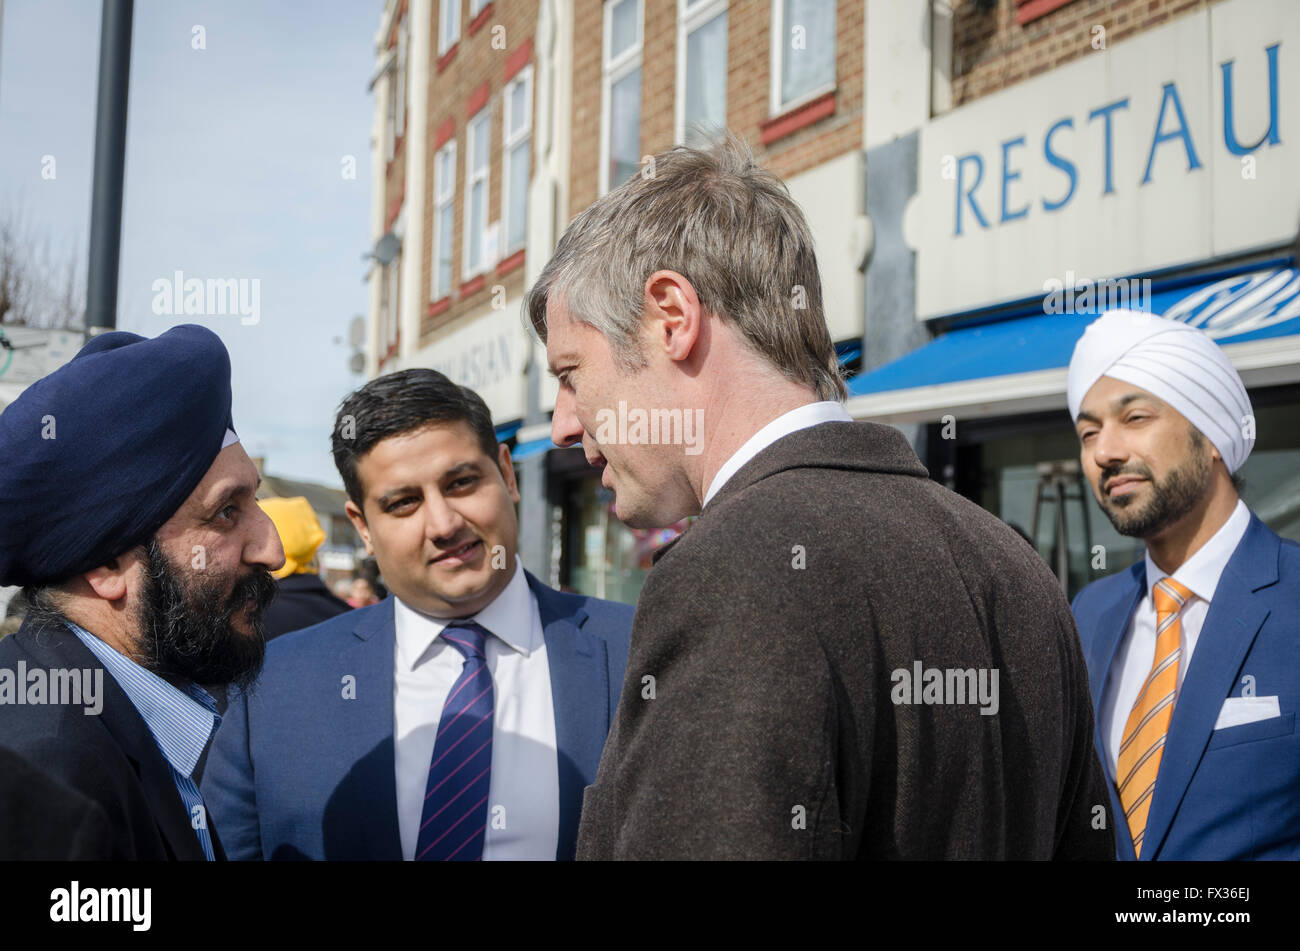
241,119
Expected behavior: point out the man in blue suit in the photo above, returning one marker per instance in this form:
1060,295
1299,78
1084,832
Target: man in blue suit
1194,652
462,717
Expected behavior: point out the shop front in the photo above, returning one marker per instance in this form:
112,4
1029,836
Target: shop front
1154,176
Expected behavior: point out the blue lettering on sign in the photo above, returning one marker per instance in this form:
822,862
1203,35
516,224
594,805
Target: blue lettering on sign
1109,152
1230,127
1008,177
970,194
1059,161
1181,132
1171,125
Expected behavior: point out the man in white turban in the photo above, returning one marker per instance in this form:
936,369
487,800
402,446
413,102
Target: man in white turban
1193,652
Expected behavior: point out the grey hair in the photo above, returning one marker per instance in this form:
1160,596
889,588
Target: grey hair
729,227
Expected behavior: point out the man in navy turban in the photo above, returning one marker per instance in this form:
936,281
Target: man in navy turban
128,513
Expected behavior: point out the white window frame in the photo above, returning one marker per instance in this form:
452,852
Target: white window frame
484,116
444,197
691,15
448,25
476,7
775,105
614,70
509,142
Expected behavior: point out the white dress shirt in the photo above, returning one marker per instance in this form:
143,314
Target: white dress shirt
1200,575
523,820
810,414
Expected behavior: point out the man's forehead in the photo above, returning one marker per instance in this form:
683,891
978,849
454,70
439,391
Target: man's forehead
1111,395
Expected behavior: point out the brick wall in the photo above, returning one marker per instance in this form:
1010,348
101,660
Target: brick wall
748,90
992,51
504,35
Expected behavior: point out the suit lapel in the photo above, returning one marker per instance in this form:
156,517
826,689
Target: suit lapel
371,657
1111,625
579,672
1231,625
56,646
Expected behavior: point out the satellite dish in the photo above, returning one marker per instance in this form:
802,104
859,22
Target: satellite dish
386,248
357,363
357,331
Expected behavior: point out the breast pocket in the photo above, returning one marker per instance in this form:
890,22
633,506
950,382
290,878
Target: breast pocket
1251,732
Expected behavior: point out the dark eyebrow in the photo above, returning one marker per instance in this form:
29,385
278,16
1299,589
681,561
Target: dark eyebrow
1119,404
463,468
235,493
1086,416
395,494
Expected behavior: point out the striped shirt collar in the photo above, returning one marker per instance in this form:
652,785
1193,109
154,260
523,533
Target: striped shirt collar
181,720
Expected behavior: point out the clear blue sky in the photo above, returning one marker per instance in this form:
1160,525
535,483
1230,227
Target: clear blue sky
233,170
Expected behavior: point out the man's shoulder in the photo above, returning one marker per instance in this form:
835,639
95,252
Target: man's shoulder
308,642
1103,594
611,620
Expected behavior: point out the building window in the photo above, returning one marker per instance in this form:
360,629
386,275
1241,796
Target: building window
476,192
803,51
476,7
397,91
389,304
448,25
444,210
620,113
517,152
701,70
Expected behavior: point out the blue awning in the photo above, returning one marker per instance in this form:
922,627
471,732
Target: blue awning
506,430
1241,307
526,449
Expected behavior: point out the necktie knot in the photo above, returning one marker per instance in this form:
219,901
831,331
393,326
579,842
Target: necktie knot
467,637
1170,596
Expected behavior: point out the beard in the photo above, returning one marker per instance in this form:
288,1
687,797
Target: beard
186,629
1172,499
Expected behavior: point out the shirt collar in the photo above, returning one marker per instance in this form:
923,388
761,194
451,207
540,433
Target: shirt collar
802,417
508,618
1200,573
180,719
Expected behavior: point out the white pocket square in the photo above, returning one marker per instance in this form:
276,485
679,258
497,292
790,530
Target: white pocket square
1238,711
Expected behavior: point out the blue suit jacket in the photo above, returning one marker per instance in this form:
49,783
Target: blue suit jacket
1221,794
297,771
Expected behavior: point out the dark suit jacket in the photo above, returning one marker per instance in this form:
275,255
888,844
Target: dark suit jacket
301,600
773,630
110,762
1232,793
303,769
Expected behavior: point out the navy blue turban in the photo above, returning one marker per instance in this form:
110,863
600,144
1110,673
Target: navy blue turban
95,457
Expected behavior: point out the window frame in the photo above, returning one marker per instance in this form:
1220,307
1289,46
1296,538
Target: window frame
444,199
775,106
611,71
691,16
484,117
448,35
510,142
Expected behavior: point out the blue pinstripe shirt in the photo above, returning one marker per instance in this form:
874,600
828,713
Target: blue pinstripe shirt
181,721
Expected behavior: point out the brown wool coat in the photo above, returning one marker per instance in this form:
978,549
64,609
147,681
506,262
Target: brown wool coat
769,729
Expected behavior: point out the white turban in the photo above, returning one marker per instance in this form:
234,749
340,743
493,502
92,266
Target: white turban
1173,362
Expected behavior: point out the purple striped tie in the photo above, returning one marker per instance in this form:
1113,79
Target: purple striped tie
454,819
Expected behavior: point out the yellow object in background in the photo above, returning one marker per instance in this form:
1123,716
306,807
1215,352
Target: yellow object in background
300,533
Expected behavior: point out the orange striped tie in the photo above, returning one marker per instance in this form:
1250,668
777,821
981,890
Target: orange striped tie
1144,734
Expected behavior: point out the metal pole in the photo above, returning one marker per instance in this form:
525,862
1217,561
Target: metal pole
110,162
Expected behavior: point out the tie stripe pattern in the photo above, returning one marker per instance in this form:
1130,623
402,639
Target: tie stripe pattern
1143,744
453,822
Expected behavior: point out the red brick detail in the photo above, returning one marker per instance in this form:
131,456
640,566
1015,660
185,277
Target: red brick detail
484,15
508,264
438,306
477,99
394,209
798,118
446,58
1027,10
444,133
520,58
472,286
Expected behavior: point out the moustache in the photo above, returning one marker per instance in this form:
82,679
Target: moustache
1114,472
256,589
